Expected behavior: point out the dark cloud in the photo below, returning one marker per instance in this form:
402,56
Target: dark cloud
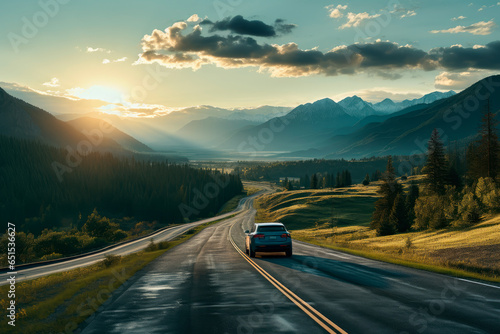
174,49
458,57
241,26
282,27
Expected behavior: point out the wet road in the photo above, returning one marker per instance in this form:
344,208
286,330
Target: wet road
206,286
127,248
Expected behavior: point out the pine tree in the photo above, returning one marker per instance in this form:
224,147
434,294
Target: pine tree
314,181
484,155
389,190
307,181
411,198
366,181
399,214
436,166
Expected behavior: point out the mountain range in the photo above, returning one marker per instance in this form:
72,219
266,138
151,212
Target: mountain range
310,125
22,120
406,132
350,128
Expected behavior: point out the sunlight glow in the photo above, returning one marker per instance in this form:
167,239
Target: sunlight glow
103,93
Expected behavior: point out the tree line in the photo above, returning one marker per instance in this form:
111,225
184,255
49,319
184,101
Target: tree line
458,190
357,169
32,196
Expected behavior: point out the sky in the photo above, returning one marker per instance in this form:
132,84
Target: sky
154,56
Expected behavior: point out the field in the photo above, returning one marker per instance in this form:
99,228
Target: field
340,219
302,209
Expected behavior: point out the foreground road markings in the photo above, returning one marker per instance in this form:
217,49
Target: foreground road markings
323,321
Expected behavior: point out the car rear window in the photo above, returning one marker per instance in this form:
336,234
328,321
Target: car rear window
275,228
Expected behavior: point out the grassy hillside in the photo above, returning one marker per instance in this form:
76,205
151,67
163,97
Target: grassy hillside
309,208
340,219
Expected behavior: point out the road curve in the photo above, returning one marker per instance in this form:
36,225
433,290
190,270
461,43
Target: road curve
205,286
124,249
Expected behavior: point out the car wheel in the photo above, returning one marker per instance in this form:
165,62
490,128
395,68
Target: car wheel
289,253
252,253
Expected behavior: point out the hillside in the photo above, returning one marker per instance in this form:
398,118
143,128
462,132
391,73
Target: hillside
300,128
22,120
89,124
212,130
340,218
457,116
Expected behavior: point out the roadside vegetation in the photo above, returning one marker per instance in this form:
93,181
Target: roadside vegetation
446,219
58,303
97,232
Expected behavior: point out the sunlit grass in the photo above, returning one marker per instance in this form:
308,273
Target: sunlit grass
340,219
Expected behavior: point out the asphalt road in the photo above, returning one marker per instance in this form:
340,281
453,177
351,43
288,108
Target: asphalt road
206,286
128,248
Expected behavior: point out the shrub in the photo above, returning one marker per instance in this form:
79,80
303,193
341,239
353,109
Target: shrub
469,211
429,212
111,260
152,246
488,194
51,256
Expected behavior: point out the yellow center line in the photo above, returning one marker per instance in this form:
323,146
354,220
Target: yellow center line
308,309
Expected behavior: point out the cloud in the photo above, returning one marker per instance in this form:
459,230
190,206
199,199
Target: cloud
479,28
180,47
461,17
408,13
92,50
193,18
477,57
54,82
96,92
241,26
355,20
459,80
336,11
402,12
108,61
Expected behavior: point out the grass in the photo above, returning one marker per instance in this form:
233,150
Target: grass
232,204
340,218
310,208
58,303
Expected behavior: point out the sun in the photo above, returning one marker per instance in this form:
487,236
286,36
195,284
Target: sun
97,92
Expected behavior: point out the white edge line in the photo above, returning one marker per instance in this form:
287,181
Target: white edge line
489,285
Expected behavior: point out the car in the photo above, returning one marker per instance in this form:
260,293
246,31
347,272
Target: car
268,237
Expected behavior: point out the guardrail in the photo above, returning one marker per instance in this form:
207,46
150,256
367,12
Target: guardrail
78,256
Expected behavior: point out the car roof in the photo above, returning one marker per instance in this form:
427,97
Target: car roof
270,224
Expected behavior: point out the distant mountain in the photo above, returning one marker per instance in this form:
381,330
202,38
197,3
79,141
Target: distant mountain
407,131
387,106
259,114
89,124
212,131
357,107
300,128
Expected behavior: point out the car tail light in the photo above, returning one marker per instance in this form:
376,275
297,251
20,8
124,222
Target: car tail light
285,235
261,236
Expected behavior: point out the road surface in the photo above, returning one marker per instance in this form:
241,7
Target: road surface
128,248
206,285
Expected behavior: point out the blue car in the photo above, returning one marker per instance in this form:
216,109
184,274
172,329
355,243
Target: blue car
268,237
